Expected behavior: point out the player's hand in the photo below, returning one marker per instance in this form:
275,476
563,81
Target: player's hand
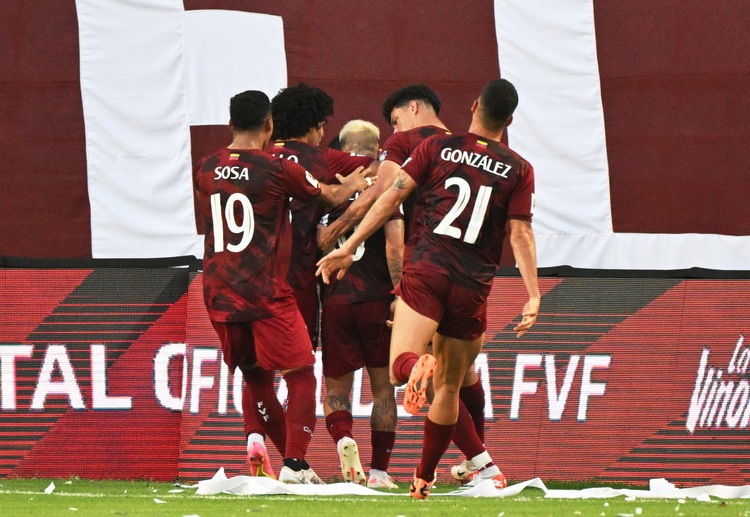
358,180
530,311
338,260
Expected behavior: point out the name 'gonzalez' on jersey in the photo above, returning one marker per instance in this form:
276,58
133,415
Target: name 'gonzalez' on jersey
469,188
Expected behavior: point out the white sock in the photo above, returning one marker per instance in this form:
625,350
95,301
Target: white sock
377,473
481,460
255,438
489,472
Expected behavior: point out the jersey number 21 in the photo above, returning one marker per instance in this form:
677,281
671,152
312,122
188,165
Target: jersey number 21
477,214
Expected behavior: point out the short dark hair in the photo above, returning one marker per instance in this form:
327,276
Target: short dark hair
498,101
249,110
403,96
297,109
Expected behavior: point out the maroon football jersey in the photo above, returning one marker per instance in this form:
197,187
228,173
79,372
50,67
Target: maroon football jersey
323,164
244,198
368,278
397,148
469,187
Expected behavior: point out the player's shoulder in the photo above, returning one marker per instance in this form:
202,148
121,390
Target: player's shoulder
235,157
407,141
431,131
286,148
394,139
417,134
217,156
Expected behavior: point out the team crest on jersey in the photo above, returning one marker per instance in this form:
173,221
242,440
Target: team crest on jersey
312,180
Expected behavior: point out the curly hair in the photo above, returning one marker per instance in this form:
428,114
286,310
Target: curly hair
297,109
413,92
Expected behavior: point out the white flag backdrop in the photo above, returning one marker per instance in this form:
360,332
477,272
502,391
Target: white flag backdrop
150,70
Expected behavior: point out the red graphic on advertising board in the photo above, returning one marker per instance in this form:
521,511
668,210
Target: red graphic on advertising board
116,373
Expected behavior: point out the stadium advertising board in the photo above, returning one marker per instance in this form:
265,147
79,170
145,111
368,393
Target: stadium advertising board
116,373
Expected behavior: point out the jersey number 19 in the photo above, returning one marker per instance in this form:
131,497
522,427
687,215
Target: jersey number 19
245,228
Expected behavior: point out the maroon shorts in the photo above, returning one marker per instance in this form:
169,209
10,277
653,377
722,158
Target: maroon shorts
309,307
277,343
355,335
461,312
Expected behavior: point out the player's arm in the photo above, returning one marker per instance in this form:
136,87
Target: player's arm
524,250
394,256
341,258
328,235
394,248
333,195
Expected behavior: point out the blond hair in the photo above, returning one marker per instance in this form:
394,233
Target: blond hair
360,137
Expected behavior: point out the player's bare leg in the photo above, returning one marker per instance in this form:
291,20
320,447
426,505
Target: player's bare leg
338,392
412,332
471,377
452,359
469,434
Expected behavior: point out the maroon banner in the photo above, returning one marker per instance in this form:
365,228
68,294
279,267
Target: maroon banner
116,373
673,86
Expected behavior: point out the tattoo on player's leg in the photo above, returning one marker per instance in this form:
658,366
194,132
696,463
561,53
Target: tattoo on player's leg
339,403
383,416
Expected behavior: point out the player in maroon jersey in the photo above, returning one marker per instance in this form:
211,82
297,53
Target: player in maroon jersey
243,194
299,114
413,112
470,187
355,332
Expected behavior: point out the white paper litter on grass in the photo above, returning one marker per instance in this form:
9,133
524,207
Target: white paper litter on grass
248,485
658,489
50,488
